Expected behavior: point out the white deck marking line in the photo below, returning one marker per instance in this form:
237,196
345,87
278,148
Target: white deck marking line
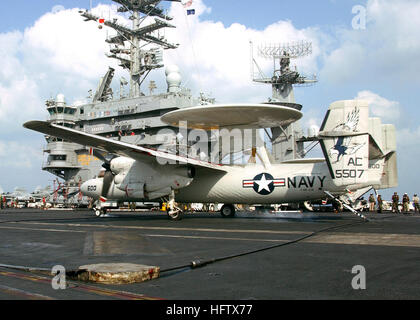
167,228
37,229
372,239
213,238
155,235
22,293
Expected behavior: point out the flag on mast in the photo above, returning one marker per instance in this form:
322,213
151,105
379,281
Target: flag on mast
187,4
101,22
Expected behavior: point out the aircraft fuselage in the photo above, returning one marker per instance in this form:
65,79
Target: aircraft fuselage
252,184
256,184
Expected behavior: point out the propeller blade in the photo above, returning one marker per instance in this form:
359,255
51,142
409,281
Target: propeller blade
106,166
108,175
99,154
106,158
107,180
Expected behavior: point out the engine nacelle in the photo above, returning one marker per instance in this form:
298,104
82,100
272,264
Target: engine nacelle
119,178
136,180
121,164
170,177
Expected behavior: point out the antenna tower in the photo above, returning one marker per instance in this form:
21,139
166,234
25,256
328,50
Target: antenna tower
131,46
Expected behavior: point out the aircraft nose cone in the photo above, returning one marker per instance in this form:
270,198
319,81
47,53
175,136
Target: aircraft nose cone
92,188
84,188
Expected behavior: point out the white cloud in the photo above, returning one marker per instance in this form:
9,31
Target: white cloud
57,8
408,139
59,53
19,101
17,156
214,57
9,62
387,49
388,111
408,154
64,43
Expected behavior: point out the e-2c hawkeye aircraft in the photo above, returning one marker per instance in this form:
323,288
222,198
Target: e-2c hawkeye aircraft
359,152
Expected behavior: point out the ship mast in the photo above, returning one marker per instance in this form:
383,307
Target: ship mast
129,45
286,141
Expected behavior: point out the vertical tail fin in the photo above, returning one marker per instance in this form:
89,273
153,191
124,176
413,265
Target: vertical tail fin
382,155
344,141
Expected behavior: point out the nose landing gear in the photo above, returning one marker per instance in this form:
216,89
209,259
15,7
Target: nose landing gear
99,211
174,213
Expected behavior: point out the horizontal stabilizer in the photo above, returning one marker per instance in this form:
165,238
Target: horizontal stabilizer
304,161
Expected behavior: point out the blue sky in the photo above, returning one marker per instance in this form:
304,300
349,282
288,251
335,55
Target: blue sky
378,62
20,14
259,14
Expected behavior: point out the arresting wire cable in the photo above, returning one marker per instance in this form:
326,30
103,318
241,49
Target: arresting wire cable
201,263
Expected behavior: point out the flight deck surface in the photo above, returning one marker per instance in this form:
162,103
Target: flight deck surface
319,266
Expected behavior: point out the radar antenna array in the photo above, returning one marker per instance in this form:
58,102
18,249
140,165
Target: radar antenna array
293,50
283,77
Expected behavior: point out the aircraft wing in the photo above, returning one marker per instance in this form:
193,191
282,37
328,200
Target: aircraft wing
117,147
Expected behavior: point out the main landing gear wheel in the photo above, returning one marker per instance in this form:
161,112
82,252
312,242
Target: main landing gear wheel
175,215
100,212
227,211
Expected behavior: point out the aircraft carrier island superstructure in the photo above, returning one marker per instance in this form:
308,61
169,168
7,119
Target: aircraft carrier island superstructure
135,117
